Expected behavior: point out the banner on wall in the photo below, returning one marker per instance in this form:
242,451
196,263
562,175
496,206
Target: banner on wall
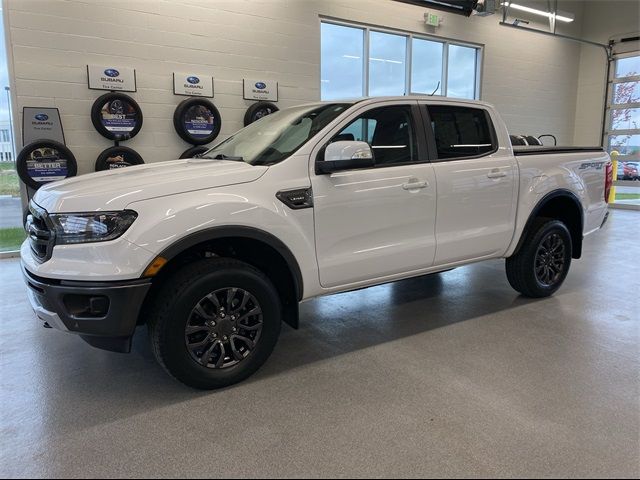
39,123
192,85
260,89
111,78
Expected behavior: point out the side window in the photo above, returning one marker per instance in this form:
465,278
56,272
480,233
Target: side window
389,130
461,131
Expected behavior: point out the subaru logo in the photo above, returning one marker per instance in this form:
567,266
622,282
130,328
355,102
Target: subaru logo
42,117
261,85
111,72
193,80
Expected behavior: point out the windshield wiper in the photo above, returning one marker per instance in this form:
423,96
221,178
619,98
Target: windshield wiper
222,156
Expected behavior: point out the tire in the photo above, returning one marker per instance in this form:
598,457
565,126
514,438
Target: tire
174,308
193,151
122,128
259,110
202,110
521,267
117,157
45,151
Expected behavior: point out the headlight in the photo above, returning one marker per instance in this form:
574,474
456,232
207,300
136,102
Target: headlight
90,227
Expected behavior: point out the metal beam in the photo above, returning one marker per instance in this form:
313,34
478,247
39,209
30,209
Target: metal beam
559,35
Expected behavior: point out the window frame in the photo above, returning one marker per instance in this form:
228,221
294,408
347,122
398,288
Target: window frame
424,150
446,42
431,136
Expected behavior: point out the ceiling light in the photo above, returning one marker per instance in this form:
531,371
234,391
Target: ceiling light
565,17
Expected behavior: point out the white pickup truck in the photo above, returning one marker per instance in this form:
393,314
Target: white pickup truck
213,253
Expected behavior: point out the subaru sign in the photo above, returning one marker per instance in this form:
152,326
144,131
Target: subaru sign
39,123
192,85
110,78
260,89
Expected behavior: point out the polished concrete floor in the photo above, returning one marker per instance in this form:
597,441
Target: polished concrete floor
446,375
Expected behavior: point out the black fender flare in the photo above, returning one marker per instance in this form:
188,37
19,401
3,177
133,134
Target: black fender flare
217,233
564,193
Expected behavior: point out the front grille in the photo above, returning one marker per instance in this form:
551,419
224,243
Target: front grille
41,238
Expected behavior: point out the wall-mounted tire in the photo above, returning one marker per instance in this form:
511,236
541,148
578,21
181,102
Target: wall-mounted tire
193,151
117,157
197,121
116,116
259,110
45,161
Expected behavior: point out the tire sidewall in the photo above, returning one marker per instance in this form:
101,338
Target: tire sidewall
21,161
183,365
190,152
178,121
251,111
101,165
96,115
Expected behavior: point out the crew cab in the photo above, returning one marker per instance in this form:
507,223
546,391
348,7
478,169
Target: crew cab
214,253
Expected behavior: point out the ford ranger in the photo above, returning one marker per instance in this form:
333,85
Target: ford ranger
213,253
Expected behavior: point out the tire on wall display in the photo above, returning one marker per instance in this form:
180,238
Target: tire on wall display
116,115
117,157
259,110
45,161
193,151
197,121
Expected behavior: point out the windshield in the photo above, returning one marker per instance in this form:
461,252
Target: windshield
275,137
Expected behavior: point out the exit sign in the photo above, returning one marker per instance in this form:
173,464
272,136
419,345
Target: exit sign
432,19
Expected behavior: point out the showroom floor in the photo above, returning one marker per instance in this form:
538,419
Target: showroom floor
446,375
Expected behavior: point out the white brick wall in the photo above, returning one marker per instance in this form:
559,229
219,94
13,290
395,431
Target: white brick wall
531,78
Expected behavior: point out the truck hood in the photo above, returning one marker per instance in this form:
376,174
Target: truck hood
115,189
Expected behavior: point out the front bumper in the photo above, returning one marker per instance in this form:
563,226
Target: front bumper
104,314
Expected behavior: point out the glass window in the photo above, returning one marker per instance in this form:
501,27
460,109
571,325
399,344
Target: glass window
625,144
627,67
342,62
426,66
461,72
626,92
278,135
345,64
460,131
625,118
387,57
389,130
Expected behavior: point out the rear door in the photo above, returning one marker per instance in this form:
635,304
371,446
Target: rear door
477,183
376,222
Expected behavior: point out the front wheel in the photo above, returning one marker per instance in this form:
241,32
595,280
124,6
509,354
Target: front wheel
543,261
215,322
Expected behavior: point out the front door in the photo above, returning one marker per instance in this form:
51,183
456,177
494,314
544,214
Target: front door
376,222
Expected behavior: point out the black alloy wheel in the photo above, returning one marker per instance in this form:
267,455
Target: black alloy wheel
223,328
550,260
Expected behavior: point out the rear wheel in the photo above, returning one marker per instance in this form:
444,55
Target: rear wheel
215,322
542,263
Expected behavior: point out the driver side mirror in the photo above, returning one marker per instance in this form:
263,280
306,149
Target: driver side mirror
345,155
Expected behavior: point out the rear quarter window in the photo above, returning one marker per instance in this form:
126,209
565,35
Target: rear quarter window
461,131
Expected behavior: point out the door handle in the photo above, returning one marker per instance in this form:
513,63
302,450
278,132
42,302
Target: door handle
496,174
415,185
